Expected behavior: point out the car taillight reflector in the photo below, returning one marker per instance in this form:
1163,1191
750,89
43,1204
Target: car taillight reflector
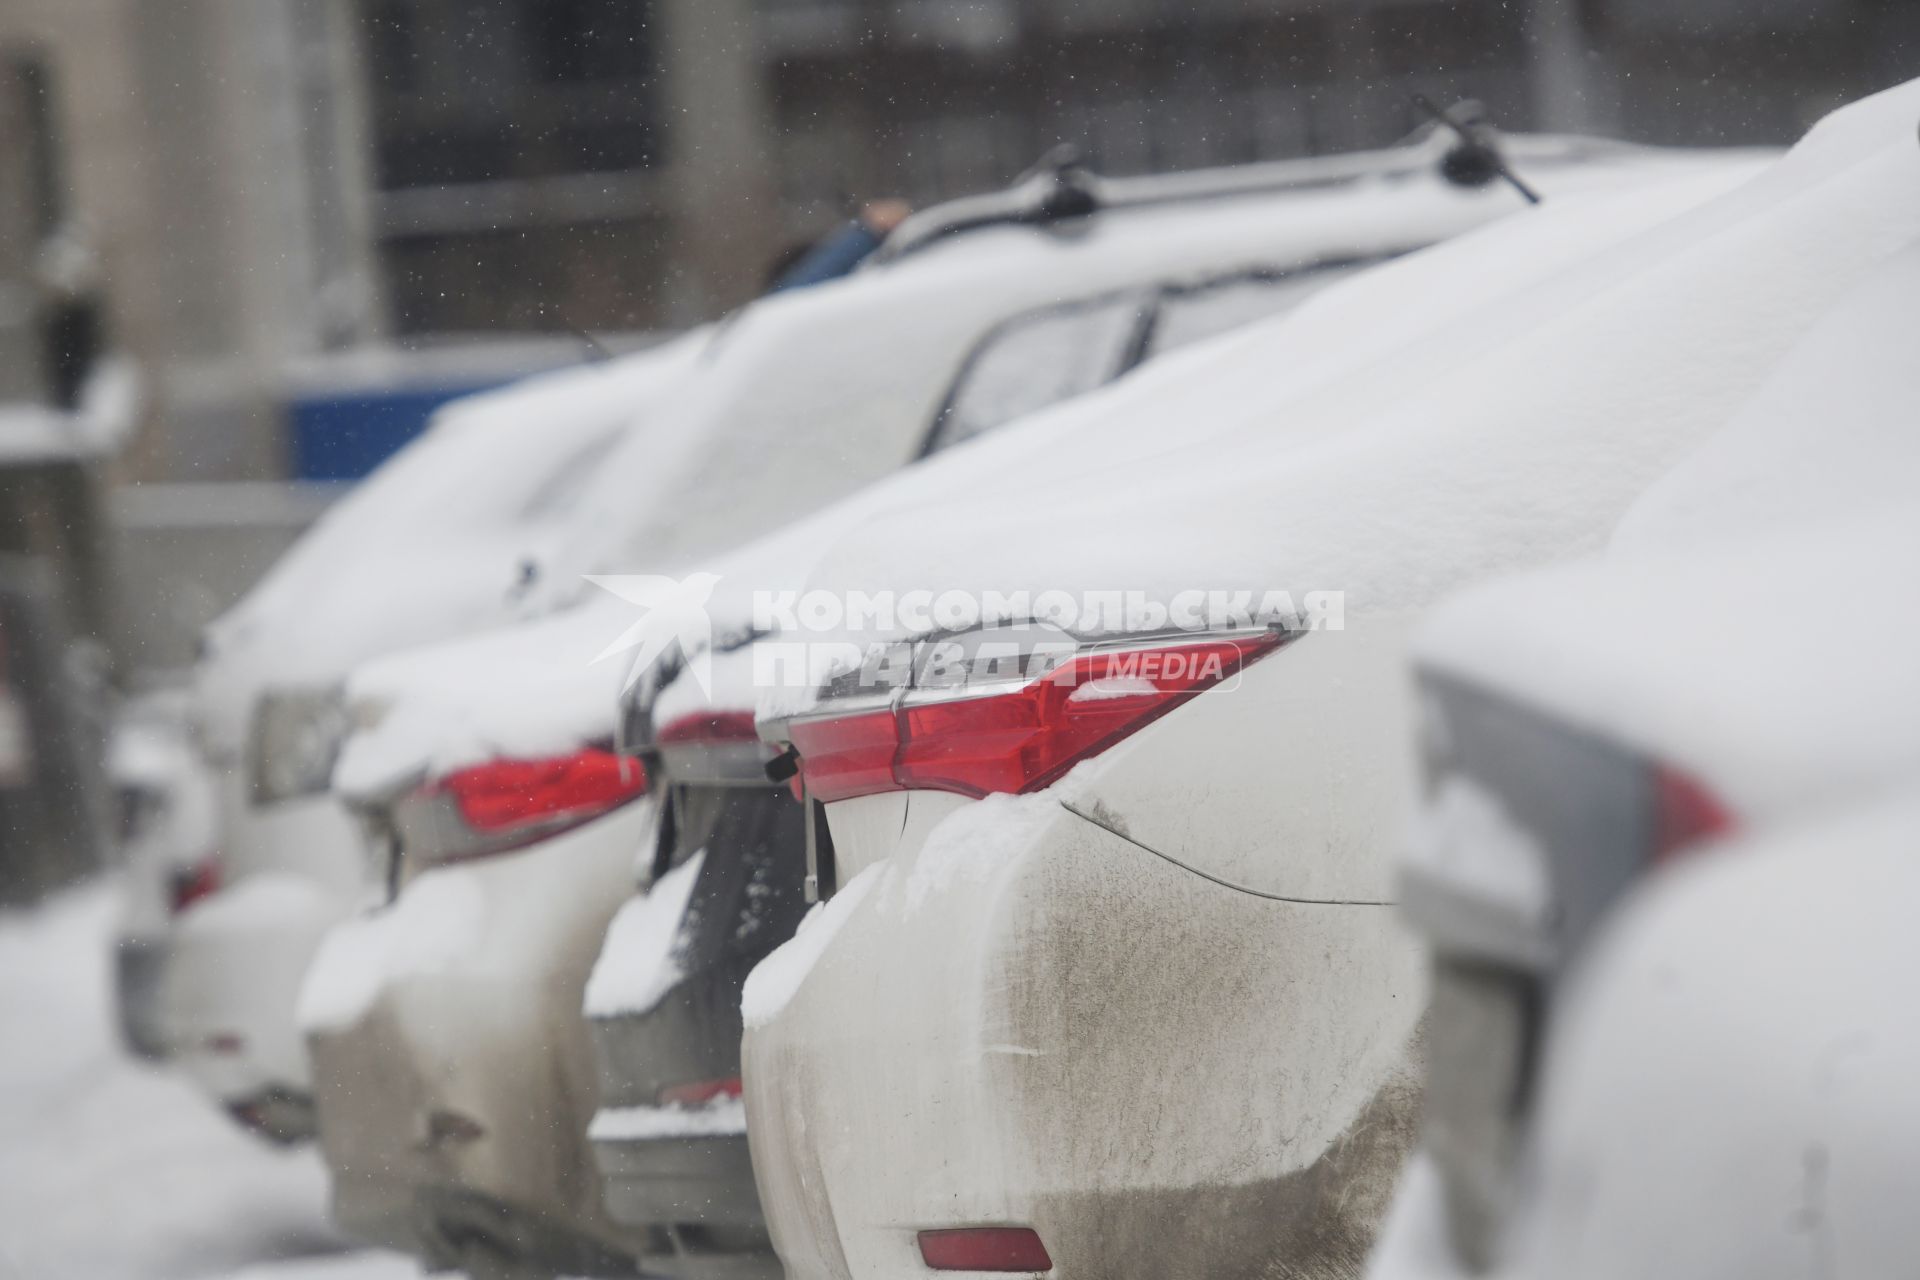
190,884
1686,814
1013,739
504,795
985,1249
700,1092
709,726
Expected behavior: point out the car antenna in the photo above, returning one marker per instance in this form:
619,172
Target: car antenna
1477,160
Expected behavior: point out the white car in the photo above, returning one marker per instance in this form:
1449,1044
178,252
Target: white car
1111,982
1729,1095
445,537
804,398
1609,716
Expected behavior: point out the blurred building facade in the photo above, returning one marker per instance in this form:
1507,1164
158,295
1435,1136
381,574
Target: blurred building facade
633,163
208,157
264,181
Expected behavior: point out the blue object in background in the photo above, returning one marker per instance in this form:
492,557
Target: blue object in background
342,435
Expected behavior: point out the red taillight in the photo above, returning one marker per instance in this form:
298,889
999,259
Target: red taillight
505,795
190,884
1018,739
985,1249
1686,814
700,1092
848,755
709,726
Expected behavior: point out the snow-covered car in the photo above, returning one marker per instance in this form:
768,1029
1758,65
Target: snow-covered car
1585,726
444,538
1111,981
1728,1095
168,845
805,398
664,1001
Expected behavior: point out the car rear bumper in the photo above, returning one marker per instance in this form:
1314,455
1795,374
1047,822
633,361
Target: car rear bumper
453,1076
705,1182
230,981
1047,1025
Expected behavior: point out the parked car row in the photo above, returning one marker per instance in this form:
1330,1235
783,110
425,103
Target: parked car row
909,779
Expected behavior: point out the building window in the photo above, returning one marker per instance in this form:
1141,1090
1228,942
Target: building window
578,41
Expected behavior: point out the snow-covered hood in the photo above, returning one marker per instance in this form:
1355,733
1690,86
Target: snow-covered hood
435,542
1516,432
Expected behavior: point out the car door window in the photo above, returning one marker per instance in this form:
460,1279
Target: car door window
1040,359
1194,313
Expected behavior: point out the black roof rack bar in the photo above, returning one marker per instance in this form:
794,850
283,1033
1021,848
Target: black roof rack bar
1061,187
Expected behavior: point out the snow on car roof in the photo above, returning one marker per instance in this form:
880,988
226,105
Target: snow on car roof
436,711
1752,620
1514,434
383,566
1340,328
866,397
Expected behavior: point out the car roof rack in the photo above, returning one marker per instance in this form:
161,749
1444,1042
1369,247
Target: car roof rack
1061,189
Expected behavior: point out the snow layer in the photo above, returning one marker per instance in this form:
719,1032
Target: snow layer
777,979
1338,329
434,927
1515,432
637,964
1753,616
1742,1044
1468,840
723,1117
783,422
111,1169
1777,668
435,541
778,422
525,692
972,844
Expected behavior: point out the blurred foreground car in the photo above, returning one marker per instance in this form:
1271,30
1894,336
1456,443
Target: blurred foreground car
664,1000
438,541
1587,725
1729,1095
965,324
1108,979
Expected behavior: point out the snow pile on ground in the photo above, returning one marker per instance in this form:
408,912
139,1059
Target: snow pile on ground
637,964
114,1170
723,1117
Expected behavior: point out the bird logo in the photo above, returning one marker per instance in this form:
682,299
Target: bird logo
675,611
